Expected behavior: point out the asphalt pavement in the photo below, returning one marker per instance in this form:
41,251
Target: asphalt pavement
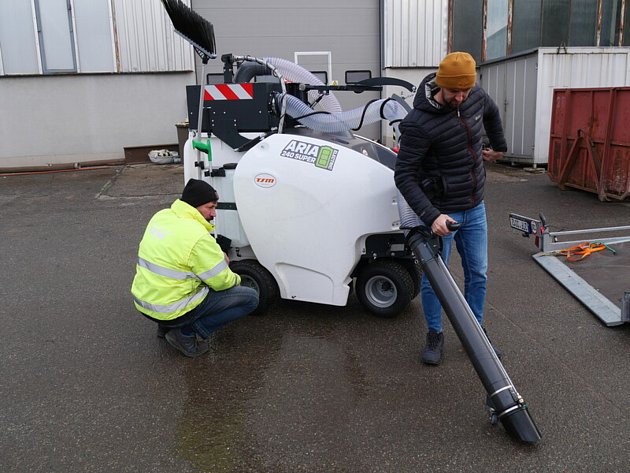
86,386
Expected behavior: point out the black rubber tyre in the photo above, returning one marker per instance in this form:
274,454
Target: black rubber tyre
254,275
384,287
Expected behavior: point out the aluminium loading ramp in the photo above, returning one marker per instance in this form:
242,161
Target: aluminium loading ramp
601,281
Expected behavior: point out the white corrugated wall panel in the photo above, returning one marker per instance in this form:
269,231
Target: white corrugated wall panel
147,41
512,85
572,68
415,32
520,106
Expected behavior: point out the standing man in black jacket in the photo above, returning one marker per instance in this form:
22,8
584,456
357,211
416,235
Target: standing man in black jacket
440,173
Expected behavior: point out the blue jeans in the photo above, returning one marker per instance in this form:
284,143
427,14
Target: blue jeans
472,245
218,309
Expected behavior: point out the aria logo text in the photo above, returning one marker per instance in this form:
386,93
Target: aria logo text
321,156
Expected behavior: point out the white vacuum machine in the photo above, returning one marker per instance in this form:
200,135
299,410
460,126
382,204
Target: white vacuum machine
308,209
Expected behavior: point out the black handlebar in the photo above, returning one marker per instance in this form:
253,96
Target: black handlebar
453,226
426,231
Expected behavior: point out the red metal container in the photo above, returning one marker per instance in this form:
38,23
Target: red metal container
589,145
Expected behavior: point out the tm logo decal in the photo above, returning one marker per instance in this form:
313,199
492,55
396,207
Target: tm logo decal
321,156
265,180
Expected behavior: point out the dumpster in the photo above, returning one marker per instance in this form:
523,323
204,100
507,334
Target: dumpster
589,146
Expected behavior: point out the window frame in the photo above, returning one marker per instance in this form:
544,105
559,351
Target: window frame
41,39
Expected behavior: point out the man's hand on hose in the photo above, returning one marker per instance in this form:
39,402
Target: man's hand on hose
438,227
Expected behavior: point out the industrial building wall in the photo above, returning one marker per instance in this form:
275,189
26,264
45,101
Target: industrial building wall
388,37
40,37
348,31
405,39
147,41
415,33
279,28
415,39
141,64
59,120
124,85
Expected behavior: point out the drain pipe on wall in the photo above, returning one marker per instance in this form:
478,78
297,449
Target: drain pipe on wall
55,168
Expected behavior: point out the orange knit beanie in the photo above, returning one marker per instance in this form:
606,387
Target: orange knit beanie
457,71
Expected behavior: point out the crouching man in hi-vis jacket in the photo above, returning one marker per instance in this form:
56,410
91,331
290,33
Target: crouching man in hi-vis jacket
183,280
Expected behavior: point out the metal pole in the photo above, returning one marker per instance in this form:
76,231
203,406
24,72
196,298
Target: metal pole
202,84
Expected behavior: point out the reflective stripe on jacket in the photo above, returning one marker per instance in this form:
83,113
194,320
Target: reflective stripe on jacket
178,260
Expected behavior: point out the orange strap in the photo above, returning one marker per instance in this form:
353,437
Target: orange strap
581,251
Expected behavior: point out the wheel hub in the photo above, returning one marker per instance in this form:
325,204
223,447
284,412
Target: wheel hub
381,291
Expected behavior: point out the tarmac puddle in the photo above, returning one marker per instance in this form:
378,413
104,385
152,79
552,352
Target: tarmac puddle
252,401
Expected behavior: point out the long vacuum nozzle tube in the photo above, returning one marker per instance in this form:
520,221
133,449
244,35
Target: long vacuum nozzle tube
503,398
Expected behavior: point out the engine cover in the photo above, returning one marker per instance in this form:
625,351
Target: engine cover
307,206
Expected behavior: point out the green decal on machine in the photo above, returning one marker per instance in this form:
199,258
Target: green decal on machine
322,157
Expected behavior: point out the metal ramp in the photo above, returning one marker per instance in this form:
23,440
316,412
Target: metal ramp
600,281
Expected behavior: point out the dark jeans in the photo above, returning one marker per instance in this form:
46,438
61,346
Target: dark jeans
217,309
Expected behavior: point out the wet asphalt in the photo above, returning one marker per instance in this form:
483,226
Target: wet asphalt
86,386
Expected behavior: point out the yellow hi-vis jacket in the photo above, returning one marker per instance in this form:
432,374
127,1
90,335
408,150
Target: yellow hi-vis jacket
178,260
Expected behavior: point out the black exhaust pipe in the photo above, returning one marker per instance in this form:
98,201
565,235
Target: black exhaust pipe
504,402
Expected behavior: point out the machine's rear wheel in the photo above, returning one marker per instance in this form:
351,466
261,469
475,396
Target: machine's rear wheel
384,288
254,275
415,270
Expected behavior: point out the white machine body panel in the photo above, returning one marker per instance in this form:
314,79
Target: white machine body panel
227,221
221,154
306,206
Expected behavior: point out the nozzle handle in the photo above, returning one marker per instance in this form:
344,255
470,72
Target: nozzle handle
453,226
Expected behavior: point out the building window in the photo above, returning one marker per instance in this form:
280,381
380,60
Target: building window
89,36
56,36
525,25
513,26
626,37
496,28
555,22
467,26
611,14
583,23
18,43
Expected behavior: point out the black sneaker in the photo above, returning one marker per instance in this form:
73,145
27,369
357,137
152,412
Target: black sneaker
186,344
432,352
162,330
496,350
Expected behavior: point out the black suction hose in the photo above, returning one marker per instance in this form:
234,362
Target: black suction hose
503,399
248,70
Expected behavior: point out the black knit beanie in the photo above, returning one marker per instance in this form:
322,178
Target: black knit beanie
198,192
